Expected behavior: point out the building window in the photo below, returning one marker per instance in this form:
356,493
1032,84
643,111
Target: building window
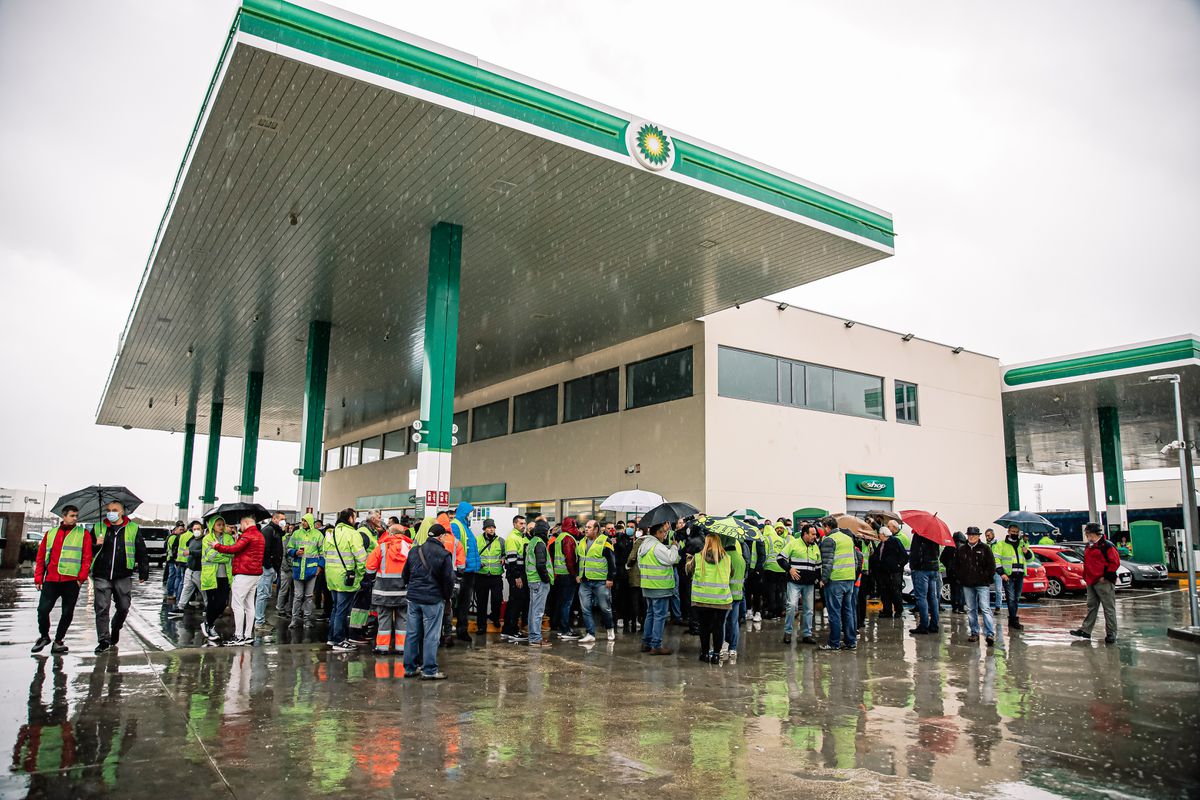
333,459
659,379
372,449
350,454
490,421
743,375
547,508
906,402
857,394
747,376
395,443
819,388
460,419
590,396
537,409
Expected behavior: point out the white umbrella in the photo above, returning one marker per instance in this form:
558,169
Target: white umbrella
634,501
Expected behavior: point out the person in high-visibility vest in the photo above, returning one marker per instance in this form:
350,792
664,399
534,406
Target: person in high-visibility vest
518,591
460,526
773,576
1012,554
840,564
539,575
802,558
656,560
566,570
737,589
191,549
215,575
345,564
989,538
595,579
712,598
389,595
119,552
63,558
172,575
489,588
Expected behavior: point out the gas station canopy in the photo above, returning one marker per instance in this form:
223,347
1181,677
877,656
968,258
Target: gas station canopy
326,148
1051,406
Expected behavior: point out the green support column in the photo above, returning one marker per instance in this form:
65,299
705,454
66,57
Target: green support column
185,481
437,374
312,424
1010,466
254,387
1114,474
209,498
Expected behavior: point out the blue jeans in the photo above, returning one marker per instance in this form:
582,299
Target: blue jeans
538,594
423,631
998,588
657,609
339,616
595,592
174,578
566,596
842,613
978,606
925,592
797,593
1016,582
676,612
733,628
263,595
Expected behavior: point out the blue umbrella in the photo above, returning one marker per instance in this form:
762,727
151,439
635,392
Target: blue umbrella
1027,521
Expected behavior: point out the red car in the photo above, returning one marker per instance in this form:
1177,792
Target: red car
1064,570
1036,583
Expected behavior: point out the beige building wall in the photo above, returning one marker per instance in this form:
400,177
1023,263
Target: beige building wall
1158,493
585,458
775,458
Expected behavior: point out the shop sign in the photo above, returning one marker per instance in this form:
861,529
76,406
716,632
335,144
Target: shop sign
870,487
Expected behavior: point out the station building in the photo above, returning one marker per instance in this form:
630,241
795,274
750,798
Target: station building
761,405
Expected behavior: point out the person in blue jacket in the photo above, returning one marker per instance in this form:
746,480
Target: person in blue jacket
460,526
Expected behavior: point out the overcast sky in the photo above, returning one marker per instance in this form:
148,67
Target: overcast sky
1040,160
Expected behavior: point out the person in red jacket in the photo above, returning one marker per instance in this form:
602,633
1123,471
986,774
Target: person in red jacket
1100,563
247,565
63,558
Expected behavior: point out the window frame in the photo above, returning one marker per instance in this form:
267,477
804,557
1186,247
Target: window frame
691,390
553,415
592,379
404,443
916,401
507,402
809,368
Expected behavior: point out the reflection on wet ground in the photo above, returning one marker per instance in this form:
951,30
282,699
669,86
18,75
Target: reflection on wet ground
1042,716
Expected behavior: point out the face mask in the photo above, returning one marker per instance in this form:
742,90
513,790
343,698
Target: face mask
112,516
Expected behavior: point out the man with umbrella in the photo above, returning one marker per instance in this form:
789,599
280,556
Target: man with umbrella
120,549
1012,554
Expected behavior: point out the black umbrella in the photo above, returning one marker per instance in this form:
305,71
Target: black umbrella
92,500
232,513
667,512
1027,521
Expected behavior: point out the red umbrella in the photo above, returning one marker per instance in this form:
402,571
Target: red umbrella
928,525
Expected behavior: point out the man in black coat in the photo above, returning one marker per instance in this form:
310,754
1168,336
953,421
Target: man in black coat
890,580
429,575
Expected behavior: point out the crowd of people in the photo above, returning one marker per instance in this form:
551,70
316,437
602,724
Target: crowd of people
410,588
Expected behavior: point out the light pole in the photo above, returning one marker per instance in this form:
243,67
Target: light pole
1181,445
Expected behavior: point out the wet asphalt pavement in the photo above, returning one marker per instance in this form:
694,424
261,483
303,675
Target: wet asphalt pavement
1043,716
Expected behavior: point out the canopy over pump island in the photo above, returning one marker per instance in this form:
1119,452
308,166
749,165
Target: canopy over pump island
339,166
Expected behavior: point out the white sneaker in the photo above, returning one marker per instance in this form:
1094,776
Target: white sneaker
587,639
612,634
733,656
758,616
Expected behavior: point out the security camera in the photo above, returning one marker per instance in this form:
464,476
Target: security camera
1167,448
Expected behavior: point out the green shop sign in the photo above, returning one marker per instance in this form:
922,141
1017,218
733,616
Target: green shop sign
870,487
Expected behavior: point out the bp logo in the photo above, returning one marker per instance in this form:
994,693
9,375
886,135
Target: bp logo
651,146
872,486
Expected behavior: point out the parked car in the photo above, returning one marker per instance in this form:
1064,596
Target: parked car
156,543
1035,585
1064,569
